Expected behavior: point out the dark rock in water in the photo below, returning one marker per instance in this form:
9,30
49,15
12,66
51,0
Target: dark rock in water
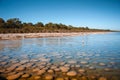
24,61
97,75
92,78
107,69
74,79
2,70
102,78
66,78
35,69
20,68
59,79
2,78
92,68
11,68
113,63
20,73
12,73
62,63
110,66
28,65
95,62
84,78
115,78
3,63
40,72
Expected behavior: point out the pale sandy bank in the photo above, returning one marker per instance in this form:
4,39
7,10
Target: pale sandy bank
39,35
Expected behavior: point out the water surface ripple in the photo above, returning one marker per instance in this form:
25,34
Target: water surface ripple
94,54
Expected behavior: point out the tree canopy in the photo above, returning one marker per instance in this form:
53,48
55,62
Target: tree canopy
14,25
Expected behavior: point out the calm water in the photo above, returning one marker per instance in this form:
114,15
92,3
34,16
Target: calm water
93,49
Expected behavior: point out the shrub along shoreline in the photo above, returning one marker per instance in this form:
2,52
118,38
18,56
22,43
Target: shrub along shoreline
15,29
14,25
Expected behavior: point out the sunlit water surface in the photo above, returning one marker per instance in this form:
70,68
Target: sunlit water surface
94,52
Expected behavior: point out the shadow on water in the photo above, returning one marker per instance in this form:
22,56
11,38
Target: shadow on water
2,78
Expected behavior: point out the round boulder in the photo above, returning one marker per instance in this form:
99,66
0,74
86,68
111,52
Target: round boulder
50,71
48,77
40,72
92,68
71,73
77,66
37,77
25,75
13,77
107,69
102,64
59,79
84,62
84,78
81,70
72,62
36,69
102,78
20,68
64,69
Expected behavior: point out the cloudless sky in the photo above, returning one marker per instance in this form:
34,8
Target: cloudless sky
101,14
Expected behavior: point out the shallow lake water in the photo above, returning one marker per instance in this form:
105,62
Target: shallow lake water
84,57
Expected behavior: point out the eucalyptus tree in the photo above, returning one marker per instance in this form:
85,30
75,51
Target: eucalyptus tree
2,23
39,24
14,23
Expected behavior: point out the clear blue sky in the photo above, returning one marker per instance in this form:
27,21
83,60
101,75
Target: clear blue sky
103,14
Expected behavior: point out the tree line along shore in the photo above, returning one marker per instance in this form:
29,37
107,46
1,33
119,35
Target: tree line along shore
14,25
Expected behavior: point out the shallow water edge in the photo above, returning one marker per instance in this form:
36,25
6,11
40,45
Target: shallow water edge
77,57
13,36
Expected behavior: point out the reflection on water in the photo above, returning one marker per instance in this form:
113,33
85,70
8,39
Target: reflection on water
93,53
8,44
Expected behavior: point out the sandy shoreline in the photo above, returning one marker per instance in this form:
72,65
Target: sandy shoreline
13,36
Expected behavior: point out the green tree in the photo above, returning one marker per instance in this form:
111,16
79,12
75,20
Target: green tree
14,23
87,28
30,24
49,25
39,24
2,23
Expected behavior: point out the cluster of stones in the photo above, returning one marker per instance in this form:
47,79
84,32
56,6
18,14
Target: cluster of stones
42,68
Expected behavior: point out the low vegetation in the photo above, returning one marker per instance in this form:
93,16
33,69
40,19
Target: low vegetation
14,25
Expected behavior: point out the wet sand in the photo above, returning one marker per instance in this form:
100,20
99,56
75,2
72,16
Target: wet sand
12,36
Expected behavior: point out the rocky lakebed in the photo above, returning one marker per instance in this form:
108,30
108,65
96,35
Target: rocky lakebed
87,57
